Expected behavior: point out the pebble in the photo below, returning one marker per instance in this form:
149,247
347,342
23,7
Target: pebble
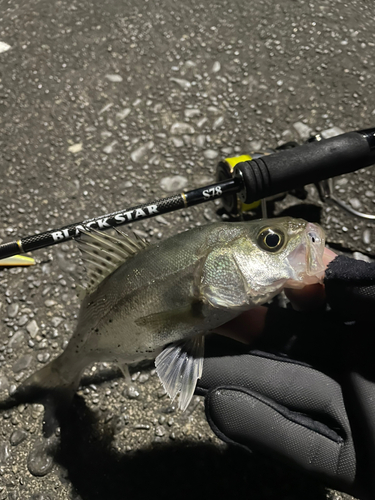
366,236
13,310
341,182
216,67
17,339
304,131
177,142
184,84
114,78
4,47
106,108
33,328
161,393
169,409
361,256
4,452
22,363
144,427
214,110
132,392
17,437
190,113
140,152
180,128
210,154
4,383
187,139
49,303
43,357
43,344
218,122
37,410
39,461
173,183
202,121
207,214
108,149
143,378
331,132
227,150
23,320
140,233
200,140
162,220
255,146
159,431
123,113
75,148
56,320
44,496
355,203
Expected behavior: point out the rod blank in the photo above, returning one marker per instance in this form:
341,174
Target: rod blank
121,217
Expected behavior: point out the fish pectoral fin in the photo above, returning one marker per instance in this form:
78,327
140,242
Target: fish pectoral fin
179,366
225,297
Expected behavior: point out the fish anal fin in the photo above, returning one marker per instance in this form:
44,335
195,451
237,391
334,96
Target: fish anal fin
179,366
124,367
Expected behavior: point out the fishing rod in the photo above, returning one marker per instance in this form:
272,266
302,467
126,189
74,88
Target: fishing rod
249,179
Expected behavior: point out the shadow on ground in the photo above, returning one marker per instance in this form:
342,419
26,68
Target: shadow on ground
176,470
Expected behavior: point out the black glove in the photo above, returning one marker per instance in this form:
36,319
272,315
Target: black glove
306,394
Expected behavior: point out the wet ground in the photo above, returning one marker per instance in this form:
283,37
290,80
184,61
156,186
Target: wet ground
104,105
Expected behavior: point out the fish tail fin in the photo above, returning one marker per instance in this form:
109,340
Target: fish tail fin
53,376
54,386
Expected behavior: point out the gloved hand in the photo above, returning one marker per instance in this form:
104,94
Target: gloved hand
305,395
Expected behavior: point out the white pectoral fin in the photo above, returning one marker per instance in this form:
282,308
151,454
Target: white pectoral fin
179,366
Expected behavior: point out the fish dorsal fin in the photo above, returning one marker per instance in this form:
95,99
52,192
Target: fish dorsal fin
103,253
179,366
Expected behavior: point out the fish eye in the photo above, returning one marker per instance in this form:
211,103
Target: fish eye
271,240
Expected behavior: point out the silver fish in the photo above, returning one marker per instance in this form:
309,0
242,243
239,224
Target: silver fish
158,301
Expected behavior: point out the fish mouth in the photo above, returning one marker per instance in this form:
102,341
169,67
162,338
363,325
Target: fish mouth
306,260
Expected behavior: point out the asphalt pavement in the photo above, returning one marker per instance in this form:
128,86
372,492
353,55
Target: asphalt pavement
105,105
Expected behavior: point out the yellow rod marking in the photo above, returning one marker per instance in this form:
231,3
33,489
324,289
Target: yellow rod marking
185,200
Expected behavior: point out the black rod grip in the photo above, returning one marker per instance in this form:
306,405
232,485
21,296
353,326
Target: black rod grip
306,164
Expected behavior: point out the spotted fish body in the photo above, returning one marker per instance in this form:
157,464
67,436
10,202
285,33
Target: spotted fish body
159,300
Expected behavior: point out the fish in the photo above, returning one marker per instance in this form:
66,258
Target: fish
159,301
